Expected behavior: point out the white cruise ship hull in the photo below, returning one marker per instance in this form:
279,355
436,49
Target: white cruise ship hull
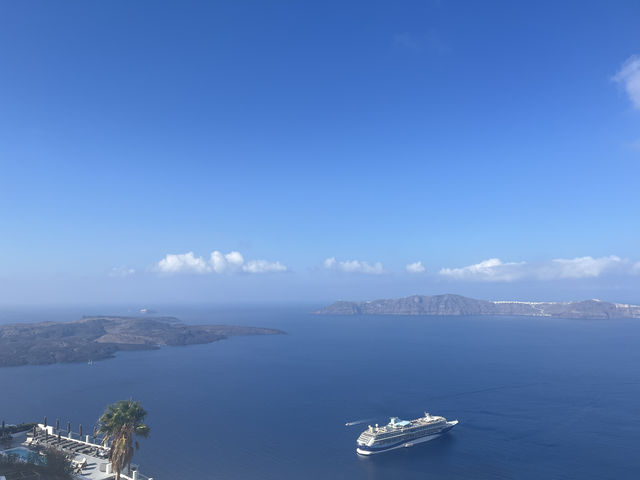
372,450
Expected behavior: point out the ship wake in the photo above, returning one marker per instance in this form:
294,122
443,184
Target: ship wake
358,422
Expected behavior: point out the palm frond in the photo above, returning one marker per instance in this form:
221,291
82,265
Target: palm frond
119,423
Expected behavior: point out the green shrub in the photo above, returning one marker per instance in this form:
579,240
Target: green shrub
56,466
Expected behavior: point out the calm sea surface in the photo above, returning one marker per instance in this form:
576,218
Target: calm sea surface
536,398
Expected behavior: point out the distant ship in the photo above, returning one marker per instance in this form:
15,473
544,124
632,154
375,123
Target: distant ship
402,433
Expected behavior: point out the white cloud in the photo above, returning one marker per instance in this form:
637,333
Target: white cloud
354,266
629,78
580,267
218,263
330,262
263,266
491,270
183,263
121,272
494,270
415,267
636,268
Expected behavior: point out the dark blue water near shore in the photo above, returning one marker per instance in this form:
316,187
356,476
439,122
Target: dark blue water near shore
536,398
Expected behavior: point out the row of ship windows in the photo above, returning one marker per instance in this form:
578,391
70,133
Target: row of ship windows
421,429
397,438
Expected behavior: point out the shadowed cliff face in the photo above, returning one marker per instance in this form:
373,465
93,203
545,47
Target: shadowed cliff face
457,305
95,338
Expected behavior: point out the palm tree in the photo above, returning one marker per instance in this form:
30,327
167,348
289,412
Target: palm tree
119,423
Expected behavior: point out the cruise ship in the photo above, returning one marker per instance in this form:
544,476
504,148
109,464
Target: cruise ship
402,433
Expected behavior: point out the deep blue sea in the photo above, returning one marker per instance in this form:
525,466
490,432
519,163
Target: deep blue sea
536,397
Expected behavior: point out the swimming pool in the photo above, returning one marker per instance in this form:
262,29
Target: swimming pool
25,455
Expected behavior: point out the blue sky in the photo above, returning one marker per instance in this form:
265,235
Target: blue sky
329,144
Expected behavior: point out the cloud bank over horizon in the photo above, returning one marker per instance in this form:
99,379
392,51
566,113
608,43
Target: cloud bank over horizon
490,270
572,272
229,276
219,263
495,270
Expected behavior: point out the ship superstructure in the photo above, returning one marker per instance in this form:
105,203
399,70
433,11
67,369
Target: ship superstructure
402,433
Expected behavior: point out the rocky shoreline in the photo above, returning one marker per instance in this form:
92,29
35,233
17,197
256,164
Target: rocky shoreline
449,304
100,337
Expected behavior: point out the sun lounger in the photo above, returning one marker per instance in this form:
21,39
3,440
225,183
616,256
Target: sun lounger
81,465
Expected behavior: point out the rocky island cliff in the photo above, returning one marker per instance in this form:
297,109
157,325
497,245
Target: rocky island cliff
100,337
449,304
